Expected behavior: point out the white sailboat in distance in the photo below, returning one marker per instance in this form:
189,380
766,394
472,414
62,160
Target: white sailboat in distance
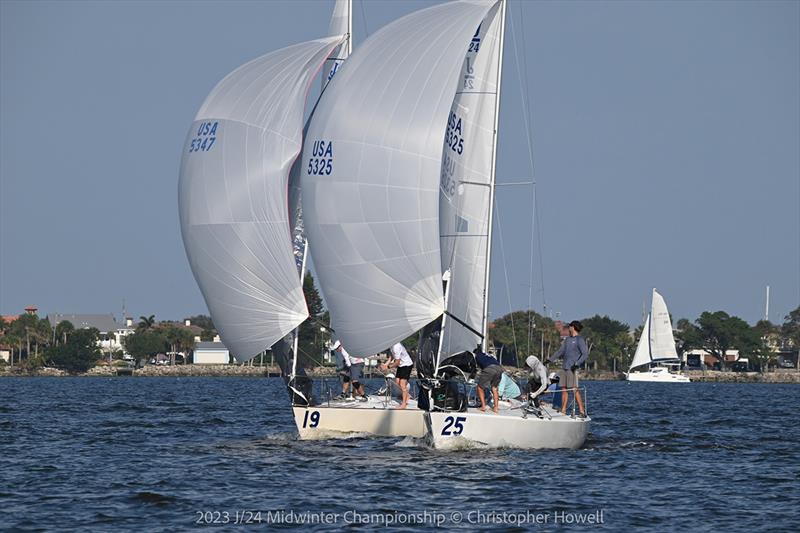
656,349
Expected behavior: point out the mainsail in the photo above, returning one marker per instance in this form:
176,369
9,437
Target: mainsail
466,183
371,169
233,196
662,343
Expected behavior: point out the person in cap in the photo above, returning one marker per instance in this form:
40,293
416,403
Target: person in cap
403,362
489,377
573,352
537,380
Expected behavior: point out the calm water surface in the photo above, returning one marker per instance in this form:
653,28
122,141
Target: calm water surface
154,453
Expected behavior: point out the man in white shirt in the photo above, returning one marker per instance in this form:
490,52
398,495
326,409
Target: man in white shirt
403,362
343,367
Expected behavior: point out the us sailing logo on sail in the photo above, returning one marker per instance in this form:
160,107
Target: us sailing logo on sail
321,161
205,137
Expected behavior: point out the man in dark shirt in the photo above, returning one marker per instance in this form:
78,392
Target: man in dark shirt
574,352
490,375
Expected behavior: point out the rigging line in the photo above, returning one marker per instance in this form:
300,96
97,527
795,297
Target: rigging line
537,221
364,17
505,271
522,76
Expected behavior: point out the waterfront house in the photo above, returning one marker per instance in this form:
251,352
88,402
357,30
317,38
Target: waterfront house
112,332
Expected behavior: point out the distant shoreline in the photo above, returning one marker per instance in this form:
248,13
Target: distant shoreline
715,376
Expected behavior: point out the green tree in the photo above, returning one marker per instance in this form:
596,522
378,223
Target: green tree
24,328
145,343
310,337
179,339
790,330
78,354
63,330
525,333
146,322
609,340
718,332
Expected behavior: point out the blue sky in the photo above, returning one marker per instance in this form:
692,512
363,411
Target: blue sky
666,143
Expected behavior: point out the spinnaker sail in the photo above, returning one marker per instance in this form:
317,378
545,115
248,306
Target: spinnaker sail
371,171
233,196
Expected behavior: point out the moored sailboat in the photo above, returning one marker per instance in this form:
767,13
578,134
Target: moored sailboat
656,351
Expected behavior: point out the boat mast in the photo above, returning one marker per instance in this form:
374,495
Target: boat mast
484,326
296,344
649,329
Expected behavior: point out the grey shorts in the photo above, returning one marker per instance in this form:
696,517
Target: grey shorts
490,376
356,371
568,379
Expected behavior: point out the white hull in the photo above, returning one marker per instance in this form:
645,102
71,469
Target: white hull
505,430
347,418
657,375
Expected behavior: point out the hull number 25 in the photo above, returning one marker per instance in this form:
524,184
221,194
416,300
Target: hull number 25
453,425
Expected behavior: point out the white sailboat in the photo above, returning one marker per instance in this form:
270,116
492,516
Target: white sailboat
242,220
400,226
656,349
371,168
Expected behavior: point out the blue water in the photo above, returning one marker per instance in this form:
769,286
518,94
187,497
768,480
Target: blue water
167,454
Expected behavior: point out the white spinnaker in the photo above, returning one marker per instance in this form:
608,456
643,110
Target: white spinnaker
465,185
662,343
642,355
232,196
371,167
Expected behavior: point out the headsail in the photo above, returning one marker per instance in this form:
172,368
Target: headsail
371,168
466,183
662,343
232,196
642,355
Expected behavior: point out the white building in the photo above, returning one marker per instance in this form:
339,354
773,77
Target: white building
211,353
111,331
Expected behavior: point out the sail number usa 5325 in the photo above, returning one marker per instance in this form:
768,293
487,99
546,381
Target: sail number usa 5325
321,161
204,138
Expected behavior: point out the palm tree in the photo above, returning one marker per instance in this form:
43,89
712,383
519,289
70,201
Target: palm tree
146,322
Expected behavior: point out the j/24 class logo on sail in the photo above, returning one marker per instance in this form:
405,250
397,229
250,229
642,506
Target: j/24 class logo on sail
321,161
205,137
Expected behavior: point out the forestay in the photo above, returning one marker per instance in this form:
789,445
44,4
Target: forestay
465,184
233,196
371,168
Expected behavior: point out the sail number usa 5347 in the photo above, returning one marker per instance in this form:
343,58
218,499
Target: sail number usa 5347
204,138
321,161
